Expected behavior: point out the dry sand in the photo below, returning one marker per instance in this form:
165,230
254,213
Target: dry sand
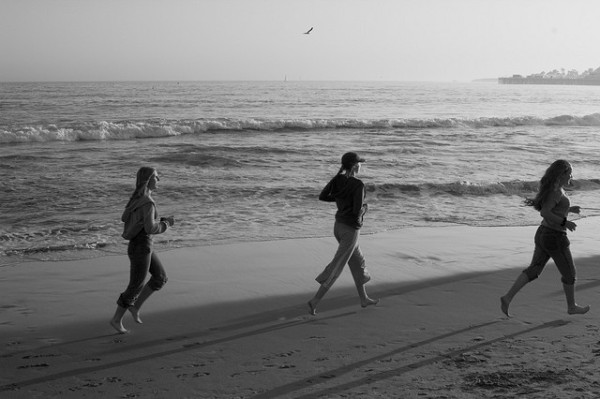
232,322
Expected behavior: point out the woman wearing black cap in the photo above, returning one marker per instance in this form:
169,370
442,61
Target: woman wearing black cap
348,192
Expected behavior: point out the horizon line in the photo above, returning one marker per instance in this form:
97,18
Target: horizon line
249,80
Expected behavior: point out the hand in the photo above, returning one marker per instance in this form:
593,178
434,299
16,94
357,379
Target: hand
575,209
169,220
364,209
570,225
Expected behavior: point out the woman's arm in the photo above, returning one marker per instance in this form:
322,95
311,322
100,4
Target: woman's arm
547,212
125,215
151,225
326,193
575,209
359,207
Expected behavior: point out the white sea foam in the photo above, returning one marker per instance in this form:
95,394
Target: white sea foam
237,165
104,130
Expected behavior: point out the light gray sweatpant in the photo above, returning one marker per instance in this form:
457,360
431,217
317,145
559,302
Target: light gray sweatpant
348,252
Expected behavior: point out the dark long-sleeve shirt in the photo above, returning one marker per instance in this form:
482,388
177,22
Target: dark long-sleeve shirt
349,196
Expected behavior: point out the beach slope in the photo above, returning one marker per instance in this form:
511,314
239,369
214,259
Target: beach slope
232,322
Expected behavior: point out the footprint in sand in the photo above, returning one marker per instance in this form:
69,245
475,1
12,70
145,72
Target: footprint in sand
323,376
38,356
283,354
34,366
253,372
51,341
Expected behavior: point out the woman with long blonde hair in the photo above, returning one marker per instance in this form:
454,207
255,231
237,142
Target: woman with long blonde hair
141,222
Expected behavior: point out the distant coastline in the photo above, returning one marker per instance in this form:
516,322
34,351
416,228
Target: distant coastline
590,77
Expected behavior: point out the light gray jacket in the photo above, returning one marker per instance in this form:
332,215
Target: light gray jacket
140,214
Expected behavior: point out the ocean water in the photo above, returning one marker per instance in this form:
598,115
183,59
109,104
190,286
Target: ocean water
245,161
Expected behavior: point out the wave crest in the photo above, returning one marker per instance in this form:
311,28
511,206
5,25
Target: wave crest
466,188
126,130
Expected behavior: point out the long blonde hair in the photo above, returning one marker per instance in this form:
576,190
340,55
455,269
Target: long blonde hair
141,182
549,183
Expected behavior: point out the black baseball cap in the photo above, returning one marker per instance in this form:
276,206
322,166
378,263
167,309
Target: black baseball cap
350,159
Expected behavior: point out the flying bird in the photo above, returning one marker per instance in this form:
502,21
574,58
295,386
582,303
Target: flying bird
308,31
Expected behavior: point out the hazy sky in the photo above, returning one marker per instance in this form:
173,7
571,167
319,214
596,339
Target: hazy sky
403,40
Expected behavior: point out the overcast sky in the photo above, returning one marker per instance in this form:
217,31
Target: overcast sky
401,40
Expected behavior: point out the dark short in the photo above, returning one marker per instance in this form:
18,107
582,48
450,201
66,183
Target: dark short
555,245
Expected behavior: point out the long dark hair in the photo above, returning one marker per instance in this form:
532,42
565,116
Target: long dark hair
549,183
141,183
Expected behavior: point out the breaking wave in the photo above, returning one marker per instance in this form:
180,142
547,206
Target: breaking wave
466,188
127,130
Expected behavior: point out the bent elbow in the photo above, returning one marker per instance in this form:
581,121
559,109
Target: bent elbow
545,214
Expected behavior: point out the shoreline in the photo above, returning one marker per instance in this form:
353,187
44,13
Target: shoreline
190,265
233,322
102,251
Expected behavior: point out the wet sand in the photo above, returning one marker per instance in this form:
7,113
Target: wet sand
232,322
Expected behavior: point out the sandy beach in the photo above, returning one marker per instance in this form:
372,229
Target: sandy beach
232,322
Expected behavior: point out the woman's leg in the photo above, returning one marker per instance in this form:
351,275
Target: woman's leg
572,307
361,277
135,309
505,300
312,304
117,320
538,262
347,238
564,262
139,257
156,282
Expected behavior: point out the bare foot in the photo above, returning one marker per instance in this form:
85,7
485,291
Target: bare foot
369,302
135,312
119,327
578,309
312,308
504,306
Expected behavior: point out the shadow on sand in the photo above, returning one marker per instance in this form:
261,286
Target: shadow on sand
291,312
